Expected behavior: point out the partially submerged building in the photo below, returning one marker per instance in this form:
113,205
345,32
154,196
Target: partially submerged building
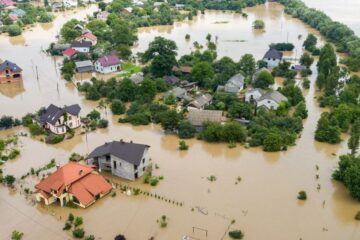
198,117
201,101
57,120
10,72
73,182
123,159
84,66
273,57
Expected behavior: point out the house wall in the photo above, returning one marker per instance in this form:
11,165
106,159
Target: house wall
272,62
123,169
60,127
108,69
268,103
82,49
8,77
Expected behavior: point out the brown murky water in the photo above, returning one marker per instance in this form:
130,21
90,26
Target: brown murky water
264,203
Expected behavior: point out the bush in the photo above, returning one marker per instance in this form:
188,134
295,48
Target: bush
54,139
78,221
9,180
93,115
117,107
67,226
90,237
78,233
236,234
14,30
302,195
14,153
71,217
186,130
103,123
258,24
36,129
306,83
183,145
27,120
16,235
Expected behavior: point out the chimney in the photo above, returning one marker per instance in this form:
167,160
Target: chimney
131,141
121,140
81,172
57,166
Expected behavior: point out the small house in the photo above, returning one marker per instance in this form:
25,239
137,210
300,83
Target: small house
171,80
271,100
123,159
10,72
235,84
178,92
201,102
273,57
58,120
61,47
84,66
81,46
69,53
198,117
107,64
102,15
253,95
77,183
88,37
18,13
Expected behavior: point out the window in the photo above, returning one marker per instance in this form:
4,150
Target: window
114,163
69,117
143,160
107,158
135,167
144,169
70,124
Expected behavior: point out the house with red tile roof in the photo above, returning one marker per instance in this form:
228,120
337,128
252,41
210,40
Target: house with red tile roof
73,182
9,72
69,53
88,37
108,64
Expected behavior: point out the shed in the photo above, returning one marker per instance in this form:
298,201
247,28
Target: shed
84,66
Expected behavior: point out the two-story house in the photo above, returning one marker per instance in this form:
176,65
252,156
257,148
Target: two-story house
73,182
81,46
9,72
273,58
123,159
57,119
107,64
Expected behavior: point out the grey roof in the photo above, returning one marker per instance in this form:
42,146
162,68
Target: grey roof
202,100
127,151
198,117
273,53
86,63
171,79
12,66
53,113
137,77
273,95
82,44
59,46
178,92
235,83
252,90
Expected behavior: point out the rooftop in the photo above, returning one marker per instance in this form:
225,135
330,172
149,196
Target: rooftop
53,113
273,53
109,60
198,117
202,100
273,95
10,65
81,44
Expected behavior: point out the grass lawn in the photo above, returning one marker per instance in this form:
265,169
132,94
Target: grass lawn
128,68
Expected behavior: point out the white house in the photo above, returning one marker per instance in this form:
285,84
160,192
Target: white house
108,64
57,120
70,3
273,57
123,159
252,95
271,100
81,46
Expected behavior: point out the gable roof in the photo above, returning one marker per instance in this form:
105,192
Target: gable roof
183,69
273,95
53,113
127,151
178,92
83,183
86,63
235,83
12,66
202,100
69,52
273,53
81,44
198,117
109,60
171,79
90,36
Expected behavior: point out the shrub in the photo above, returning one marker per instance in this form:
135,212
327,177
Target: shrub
90,237
14,30
183,145
306,83
103,123
67,226
117,107
163,221
9,180
54,139
14,153
302,195
78,233
35,129
93,115
186,130
154,181
236,234
258,24
16,235
71,217
78,221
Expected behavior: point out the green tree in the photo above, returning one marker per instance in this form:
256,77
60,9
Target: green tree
258,24
117,107
293,93
16,235
14,29
233,132
147,90
93,115
272,142
224,69
241,110
300,110
162,54
354,139
186,130
327,129
307,60
203,73
264,79
247,64
68,31
126,90
169,120
310,42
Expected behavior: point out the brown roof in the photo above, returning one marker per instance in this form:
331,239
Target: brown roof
183,69
81,180
198,117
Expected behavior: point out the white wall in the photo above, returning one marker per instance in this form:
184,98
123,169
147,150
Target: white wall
272,62
105,70
268,103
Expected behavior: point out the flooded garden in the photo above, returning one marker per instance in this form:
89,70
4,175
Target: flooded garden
249,189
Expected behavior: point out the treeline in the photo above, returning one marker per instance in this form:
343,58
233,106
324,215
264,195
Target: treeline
340,93
233,5
341,35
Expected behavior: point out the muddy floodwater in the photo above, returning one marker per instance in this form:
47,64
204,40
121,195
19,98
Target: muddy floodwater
264,203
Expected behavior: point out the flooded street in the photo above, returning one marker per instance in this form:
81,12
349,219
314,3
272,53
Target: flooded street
264,204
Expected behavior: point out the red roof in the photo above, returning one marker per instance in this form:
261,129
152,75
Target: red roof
81,180
7,3
109,60
90,36
69,52
13,17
